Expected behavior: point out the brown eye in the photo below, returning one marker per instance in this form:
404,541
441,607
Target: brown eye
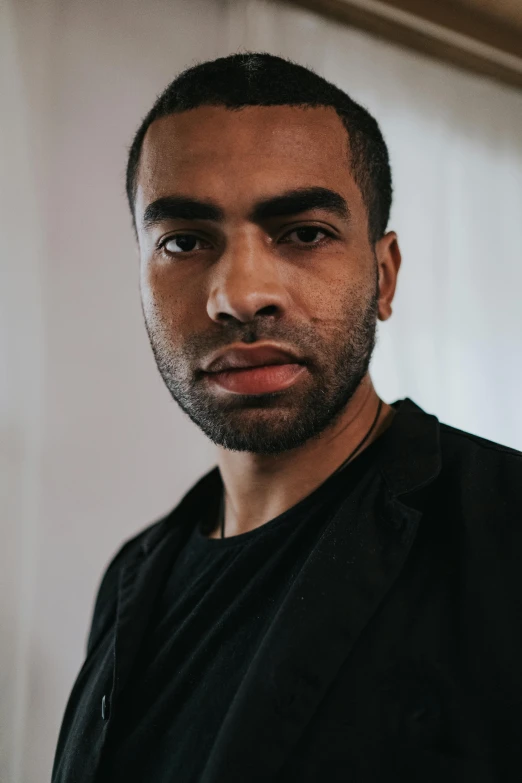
180,243
307,234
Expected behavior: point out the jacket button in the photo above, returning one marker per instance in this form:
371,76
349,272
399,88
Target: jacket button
105,708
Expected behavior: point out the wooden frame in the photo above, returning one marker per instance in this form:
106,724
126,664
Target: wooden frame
438,28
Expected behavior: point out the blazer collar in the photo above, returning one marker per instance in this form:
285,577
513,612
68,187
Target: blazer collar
412,455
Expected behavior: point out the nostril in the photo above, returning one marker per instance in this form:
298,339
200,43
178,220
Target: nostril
268,310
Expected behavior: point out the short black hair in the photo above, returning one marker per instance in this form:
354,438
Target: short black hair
263,79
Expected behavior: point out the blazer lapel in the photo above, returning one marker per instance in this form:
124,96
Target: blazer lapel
335,595
339,589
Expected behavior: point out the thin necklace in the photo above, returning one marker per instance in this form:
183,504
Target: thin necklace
350,457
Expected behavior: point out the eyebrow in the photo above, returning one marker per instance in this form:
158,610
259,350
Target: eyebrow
291,202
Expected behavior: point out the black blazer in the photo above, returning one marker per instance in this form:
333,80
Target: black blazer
397,654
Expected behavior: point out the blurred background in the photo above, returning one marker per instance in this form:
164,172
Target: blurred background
92,448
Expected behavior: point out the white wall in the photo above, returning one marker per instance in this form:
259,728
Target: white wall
92,447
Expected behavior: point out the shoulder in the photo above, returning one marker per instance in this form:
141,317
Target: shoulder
477,453
104,612
482,475
144,541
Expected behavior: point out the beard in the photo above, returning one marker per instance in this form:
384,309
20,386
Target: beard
274,422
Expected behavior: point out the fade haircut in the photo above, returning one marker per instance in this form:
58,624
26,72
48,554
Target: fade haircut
262,79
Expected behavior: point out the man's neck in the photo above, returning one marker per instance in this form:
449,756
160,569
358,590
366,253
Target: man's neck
259,488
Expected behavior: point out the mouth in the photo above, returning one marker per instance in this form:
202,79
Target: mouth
257,369
261,379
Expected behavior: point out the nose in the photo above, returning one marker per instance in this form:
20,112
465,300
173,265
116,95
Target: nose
246,283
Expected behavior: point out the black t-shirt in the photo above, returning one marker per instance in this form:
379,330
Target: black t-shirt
218,601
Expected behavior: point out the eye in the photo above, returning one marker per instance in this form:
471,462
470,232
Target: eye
180,244
185,244
306,235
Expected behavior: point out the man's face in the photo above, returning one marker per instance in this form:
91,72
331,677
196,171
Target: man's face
306,281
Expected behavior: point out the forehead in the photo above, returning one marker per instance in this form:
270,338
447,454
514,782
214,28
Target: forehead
230,155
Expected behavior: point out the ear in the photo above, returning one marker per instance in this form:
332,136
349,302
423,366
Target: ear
388,257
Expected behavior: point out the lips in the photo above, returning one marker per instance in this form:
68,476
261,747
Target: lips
242,358
259,370
266,379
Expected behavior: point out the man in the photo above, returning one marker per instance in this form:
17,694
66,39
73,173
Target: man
340,598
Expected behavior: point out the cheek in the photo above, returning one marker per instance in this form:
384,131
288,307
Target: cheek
169,301
328,300
335,276
316,290
345,304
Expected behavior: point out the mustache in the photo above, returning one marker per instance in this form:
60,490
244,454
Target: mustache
302,339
